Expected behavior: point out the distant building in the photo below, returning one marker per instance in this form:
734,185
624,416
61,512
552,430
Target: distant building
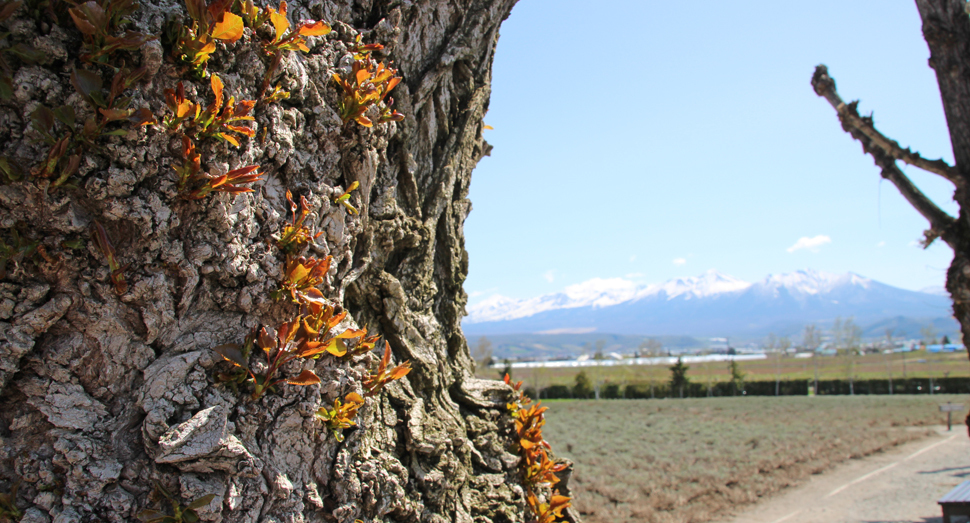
719,345
949,347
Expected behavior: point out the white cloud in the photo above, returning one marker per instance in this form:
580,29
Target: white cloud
881,244
680,261
634,275
550,275
811,244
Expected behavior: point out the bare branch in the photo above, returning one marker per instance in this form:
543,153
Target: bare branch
824,86
885,152
940,221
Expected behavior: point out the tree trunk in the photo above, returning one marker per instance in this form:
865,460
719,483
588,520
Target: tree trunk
946,28
105,395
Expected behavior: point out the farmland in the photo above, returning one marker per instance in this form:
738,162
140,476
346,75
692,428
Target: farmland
693,460
917,364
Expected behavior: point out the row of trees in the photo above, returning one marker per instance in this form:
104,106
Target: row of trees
585,388
845,336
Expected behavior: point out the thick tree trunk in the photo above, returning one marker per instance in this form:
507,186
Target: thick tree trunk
103,395
946,28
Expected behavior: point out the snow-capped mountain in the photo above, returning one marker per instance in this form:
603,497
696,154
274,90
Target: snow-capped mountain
710,304
600,292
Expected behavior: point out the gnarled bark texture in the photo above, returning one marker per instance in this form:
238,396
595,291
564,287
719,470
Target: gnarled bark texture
103,395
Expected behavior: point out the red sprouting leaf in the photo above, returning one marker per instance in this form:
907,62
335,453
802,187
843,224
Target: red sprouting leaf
117,272
219,8
86,82
244,107
196,9
81,22
112,115
7,9
306,377
142,116
42,119
247,131
267,338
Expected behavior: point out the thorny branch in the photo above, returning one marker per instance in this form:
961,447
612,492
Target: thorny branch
885,152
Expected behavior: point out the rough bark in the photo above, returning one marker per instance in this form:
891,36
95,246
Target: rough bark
946,29
102,395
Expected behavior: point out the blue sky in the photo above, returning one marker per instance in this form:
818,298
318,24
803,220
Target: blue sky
653,140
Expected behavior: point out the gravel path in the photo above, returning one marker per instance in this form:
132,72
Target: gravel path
898,486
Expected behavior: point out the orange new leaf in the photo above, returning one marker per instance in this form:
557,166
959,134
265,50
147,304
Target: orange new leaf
312,28
230,29
217,88
279,21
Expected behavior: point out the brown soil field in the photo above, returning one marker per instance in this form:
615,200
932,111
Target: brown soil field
694,460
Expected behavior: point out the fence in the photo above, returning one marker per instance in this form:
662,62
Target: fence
959,385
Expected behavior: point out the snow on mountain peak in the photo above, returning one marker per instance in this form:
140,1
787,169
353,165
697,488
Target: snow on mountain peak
600,292
812,282
707,284
604,292
597,292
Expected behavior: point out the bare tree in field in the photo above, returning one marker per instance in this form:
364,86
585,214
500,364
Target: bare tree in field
651,347
887,356
483,353
782,345
928,332
850,338
811,340
946,29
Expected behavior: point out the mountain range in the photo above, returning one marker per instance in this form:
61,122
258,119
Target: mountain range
715,304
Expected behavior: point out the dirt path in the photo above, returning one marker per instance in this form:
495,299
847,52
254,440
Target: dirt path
899,486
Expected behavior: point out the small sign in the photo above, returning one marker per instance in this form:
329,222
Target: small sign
951,407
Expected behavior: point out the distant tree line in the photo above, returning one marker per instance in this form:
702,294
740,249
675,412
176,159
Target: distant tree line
950,385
